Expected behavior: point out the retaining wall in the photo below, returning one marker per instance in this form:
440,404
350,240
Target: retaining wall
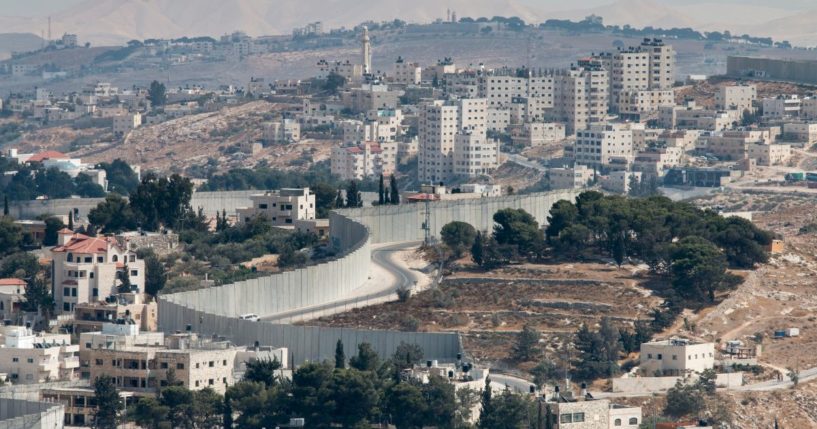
16,414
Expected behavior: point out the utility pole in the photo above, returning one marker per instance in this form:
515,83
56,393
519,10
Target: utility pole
427,221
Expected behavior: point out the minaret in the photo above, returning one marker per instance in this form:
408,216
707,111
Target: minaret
367,51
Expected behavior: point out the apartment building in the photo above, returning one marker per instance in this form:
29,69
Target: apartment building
576,177
676,357
800,132
89,269
440,122
350,72
370,97
366,160
605,145
280,207
474,154
581,96
384,125
736,97
644,104
649,66
693,117
407,73
91,316
655,162
80,403
684,139
620,181
752,144
580,412
781,107
30,359
535,90
126,122
769,154
12,295
543,133
283,131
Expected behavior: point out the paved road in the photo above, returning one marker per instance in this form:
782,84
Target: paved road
382,256
525,162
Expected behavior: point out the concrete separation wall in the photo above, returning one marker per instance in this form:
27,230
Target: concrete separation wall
16,413
215,311
796,71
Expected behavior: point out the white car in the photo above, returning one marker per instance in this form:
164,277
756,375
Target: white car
249,316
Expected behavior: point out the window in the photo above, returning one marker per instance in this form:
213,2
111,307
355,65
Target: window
89,259
95,291
674,357
99,362
660,356
197,383
578,417
66,306
134,273
70,257
179,366
66,291
262,206
633,420
115,258
224,362
163,365
87,345
91,274
210,382
100,259
566,418
30,360
73,291
212,364
15,359
617,422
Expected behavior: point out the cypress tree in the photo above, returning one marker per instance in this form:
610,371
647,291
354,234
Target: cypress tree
71,220
395,193
381,192
5,205
340,355
477,251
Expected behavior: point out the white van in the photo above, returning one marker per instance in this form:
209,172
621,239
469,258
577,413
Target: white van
249,316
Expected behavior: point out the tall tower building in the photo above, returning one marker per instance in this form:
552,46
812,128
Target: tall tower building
367,51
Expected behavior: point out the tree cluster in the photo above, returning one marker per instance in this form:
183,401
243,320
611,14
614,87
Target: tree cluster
390,194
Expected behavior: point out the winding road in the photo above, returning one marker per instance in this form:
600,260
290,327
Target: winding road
374,291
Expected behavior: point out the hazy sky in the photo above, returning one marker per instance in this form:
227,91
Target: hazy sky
34,7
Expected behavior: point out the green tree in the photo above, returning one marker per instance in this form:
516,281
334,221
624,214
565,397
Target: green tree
394,193
157,94
440,400
5,205
334,82
406,405
21,265
108,403
544,372
290,257
149,413
517,227
526,344
458,236
406,355
85,187
112,215
707,381
684,400
263,371
698,269
123,276
506,411
121,177
381,192
562,215
38,296
353,196
598,351
366,358
161,201
324,199
619,249
340,355
155,277
11,236
478,250
353,396
52,226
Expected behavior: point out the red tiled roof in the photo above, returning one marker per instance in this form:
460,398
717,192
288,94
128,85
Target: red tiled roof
84,244
49,154
65,231
423,197
12,282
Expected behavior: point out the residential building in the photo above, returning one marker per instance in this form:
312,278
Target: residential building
693,117
70,40
350,72
91,316
283,131
30,359
440,123
281,207
649,66
371,97
362,161
620,181
481,189
576,177
407,73
676,357
605,145
319,227
700,177
736,97
125,123
580,96
644,104
80,403
655,162
475,154
12,295
798,132
89,269
624,417
769,154
780,107
544,133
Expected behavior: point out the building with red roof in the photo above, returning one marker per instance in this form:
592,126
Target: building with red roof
89,269
365,160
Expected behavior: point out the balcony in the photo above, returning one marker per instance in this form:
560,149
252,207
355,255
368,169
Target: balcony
69,363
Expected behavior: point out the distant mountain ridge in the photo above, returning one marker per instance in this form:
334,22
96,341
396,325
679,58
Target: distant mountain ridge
116,21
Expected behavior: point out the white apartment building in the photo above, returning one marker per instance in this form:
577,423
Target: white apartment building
605,145
649,66
656,161
30,359
371,97
364,160
475,154
736,97
440,122
125,123
12,295
676,357
380,126
507,86
769,154
87,269
283,131
499,118
581,96
692,117
576,177
644,104
620,181
543,133
350,72
800,132
280,207
407,73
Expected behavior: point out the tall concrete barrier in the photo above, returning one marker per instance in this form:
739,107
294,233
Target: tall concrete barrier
216,310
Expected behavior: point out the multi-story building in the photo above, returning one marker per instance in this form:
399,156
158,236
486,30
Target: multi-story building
440,123
576,177
644,104
769,154
89,269
371,97
407,73
283,131
12,295
384,125
736,97
125,123
800,132
650,66
654,162
364,161
692,117
605,145
583,413
80,403
784,106
280,207
91,316
475,154
620,181
29,359
580,96
543,133
676,357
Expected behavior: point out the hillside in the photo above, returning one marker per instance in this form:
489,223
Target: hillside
18,42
